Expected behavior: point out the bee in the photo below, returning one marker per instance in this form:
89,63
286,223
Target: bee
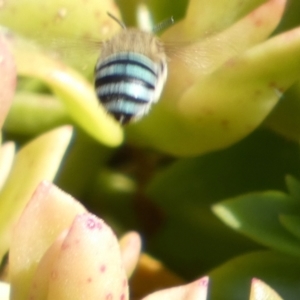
130,73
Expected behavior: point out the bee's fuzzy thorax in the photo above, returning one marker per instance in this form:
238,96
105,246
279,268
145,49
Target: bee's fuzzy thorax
134,40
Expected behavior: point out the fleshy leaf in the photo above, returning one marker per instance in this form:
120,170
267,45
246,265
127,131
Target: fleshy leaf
284,119
291,223
4,291
33,114
293,186
84,160
49,212
224,12
75,92
88,265
38,160
258,216
232,279
8,77
130,246
265,77
185,190
199,59
58,28
40,281
55,24
224,97
261,291
196,290
7,155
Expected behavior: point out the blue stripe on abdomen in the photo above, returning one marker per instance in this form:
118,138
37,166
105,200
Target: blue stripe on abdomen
125,70
130,90
126,84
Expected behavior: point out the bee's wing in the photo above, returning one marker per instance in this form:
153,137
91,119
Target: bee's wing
203,56
81,53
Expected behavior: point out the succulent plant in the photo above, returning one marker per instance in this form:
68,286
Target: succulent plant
60,251
233,75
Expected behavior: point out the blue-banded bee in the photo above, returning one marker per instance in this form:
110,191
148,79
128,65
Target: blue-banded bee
130,73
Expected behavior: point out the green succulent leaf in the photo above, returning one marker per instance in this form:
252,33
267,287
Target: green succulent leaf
38,160
293,186
66,26
291,223
86,157
258,216
284,119
32,114
232,279
75,92
54,24
231,83
186,190
232,10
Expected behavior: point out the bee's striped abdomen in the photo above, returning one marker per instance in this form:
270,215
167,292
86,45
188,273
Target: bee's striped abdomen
127,83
